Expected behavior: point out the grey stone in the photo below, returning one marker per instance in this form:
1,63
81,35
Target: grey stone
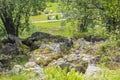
16,69
37,70
1,65
30,64
72,57
1,69
92,70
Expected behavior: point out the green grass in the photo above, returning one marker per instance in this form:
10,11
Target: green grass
52,6
108,51
59,74
16,77
42,16
48,24
62,28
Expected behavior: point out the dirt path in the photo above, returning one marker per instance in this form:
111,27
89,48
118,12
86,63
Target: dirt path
43,21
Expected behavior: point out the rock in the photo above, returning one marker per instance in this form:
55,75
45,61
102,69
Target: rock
14,49
46,11
71,61
92,38
1,70
72,57
9,49
30,65
80,67
37,70
1,45
54,48
51,17
16,69
92,70
45,59
91,59
117,58
58,62
1,67
39,38
51,11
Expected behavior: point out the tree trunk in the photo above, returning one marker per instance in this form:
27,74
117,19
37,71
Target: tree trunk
9,25
10,29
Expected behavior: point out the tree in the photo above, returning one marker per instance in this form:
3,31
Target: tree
82,11
15,13
111,15
88,12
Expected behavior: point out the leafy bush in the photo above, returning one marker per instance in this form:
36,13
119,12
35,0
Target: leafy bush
108,51
3,34
96,31
59,74
107,75
22,76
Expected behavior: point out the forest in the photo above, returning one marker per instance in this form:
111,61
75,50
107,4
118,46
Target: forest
59,39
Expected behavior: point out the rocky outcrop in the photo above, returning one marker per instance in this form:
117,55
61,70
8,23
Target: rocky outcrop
13,49
1,67
92,71
71,61
28,67
8,49
39,38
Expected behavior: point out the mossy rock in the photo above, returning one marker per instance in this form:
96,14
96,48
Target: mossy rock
45,62
25,48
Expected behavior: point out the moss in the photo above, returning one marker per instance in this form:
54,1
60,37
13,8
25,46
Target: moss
56,56
47,50
25,48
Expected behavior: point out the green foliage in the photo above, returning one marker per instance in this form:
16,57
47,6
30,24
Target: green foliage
89,13
111,14
96,31
28,31
59,74
14,14
2,32
17,76
107,75
57,17
81,11
108,51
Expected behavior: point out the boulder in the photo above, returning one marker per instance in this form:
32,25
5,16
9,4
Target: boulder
117,58
1,67
92,71
72,57
9,49
39,38
32,66
44,57
16,69
28,67
69,62
14,49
